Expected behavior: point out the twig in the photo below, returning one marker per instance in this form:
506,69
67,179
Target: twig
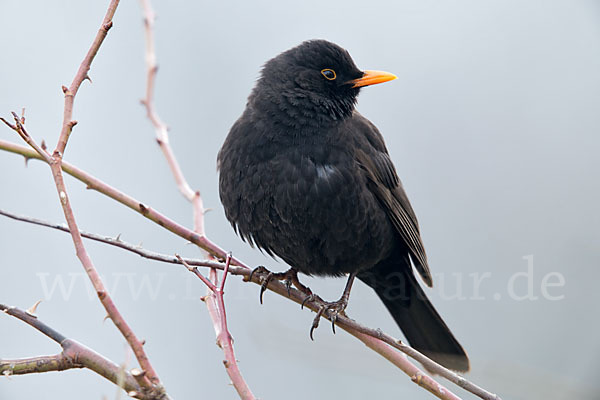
400,360
162,135
216,309
82,73
117,242
215,302
74,355
375,344
94,183
345,323
150,379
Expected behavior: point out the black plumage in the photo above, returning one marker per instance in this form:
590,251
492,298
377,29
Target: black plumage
306,177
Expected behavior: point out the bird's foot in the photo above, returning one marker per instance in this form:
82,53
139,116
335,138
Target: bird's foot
331,310
289,278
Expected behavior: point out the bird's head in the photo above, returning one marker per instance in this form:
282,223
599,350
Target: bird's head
316,76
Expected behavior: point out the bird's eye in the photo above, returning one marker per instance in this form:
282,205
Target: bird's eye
329,74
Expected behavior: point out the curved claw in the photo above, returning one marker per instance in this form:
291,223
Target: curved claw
333,319
333,310
315,323
263,286
308,298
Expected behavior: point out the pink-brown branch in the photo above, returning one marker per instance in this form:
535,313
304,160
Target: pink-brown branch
151,380
162,131
81,75
215,302
73,355
345,323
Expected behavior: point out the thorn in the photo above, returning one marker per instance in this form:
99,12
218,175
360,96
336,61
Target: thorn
65,89
118,238
88,78
108,25
105,318
26,161
143,342
207,210
72,123
44,147
31,310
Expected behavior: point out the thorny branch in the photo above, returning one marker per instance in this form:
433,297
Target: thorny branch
214,300
162,135
73,355
373,338
149,378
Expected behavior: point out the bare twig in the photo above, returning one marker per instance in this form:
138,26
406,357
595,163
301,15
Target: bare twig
94,183
111,309
345,323
214,301
216,308
82,73
74,355
117,242
162,131
151,380
400,360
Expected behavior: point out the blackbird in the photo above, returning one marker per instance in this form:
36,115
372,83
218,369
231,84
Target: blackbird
307,178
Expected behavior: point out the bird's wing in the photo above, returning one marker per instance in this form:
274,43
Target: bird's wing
372,156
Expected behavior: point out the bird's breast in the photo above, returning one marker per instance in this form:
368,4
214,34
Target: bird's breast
308,205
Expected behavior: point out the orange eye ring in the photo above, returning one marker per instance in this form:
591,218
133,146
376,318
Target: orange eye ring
329,74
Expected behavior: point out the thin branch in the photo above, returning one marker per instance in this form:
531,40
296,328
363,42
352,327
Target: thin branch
399,360
117,242
95,184
211,286
214,301
162,131
74,355
34,365
344,322
150,379
378,346
20,129
216,309
82,73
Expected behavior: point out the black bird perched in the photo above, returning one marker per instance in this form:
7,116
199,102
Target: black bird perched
305,177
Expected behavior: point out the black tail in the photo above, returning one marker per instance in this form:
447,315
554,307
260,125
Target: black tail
423,327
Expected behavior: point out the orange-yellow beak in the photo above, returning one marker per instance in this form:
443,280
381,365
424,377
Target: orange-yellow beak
373,78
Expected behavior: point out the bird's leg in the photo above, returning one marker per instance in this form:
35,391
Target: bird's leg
288,277
333,308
